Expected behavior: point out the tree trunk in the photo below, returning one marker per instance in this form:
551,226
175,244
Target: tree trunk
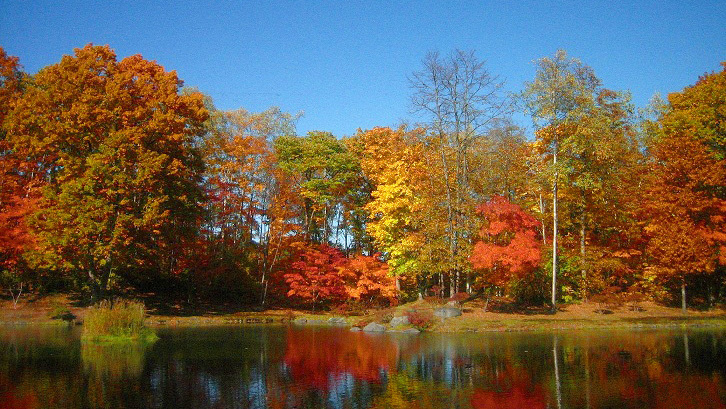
542,212
683,295
583,272
452,285
554,233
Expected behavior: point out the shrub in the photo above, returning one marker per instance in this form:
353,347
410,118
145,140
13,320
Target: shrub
119,320
60,312
459,297
419,319
362,323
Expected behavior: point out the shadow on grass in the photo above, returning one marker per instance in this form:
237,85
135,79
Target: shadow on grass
170,306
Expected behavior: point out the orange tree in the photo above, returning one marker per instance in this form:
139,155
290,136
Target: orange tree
116,138
508,248
685,195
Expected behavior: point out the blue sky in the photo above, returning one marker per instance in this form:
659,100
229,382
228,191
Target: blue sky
346,63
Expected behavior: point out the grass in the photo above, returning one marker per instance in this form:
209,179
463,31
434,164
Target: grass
118,321
38,310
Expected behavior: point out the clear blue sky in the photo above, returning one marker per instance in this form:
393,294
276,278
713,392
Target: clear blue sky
345,63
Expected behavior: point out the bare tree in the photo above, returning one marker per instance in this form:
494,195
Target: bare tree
461,101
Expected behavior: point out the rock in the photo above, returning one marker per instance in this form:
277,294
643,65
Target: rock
404,330
300,321
396,321
447,312
355,329
337,321
374,327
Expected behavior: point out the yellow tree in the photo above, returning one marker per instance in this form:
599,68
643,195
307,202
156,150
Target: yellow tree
393,162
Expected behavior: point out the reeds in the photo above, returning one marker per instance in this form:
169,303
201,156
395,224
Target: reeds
117,320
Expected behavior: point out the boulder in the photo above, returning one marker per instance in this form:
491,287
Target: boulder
410,331
404,330
396,321
447,312
355,329
337,321
374,327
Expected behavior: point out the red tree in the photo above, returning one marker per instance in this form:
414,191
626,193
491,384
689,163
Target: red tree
315,274
19,183
508,247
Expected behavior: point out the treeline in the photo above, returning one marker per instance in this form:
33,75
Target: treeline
115,178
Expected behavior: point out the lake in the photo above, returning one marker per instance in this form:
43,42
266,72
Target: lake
305,367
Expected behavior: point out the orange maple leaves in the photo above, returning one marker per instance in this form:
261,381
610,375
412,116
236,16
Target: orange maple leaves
509,247
319,272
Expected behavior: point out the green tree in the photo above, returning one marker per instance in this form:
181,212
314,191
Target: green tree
325,171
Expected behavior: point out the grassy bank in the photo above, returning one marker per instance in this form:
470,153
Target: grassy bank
474,318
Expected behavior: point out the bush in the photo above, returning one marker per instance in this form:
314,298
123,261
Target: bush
60,312
119,320
420,320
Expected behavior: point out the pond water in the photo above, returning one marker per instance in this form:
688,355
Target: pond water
294,367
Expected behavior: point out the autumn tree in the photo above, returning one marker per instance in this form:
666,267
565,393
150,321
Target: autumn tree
508,246
561,94
685,198
601,158
461,102
315,274
19,182
500,164
242,182
325,172
393,161
369,281
124,179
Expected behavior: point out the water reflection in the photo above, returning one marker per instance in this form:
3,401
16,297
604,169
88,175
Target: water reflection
311,368
113,360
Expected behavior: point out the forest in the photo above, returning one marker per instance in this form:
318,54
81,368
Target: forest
118,180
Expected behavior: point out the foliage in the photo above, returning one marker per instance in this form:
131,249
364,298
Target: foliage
461,102
393,163
322,274
113,177
18,188
368,279
685,201
509,247
420,319
315,274
324,171
115,141
117,320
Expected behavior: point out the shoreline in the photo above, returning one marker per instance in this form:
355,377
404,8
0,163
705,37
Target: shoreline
571,317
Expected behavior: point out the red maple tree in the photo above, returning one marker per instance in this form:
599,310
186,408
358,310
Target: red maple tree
508,247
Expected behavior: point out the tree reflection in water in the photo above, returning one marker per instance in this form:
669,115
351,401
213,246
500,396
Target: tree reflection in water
309,368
